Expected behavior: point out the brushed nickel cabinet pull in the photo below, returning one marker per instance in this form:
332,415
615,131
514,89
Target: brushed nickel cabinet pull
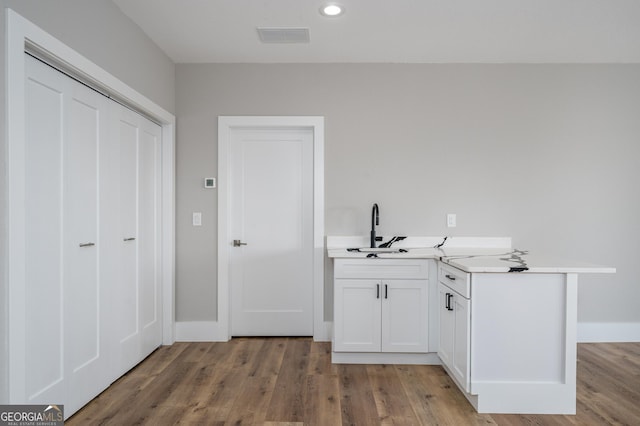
87,244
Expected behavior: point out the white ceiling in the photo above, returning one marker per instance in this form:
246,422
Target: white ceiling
404,31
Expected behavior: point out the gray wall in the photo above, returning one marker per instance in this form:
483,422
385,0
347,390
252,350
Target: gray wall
99,31
546,154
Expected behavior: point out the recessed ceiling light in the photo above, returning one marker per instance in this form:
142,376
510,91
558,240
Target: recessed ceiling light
332,9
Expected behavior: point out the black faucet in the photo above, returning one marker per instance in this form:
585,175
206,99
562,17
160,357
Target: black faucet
375,220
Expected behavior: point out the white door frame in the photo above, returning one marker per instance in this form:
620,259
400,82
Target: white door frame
22,33
225,126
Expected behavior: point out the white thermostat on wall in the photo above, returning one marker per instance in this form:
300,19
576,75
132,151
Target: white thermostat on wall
209,182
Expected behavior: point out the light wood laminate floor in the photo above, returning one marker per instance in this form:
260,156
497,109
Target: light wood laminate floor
291,381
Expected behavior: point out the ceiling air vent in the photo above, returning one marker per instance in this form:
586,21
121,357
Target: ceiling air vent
283,35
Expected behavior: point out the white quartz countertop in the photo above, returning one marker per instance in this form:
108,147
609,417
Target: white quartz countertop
475,255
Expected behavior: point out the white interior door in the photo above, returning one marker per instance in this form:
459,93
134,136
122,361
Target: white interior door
271,214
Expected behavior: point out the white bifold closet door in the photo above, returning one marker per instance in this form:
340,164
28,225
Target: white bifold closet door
91,246
66,342
137,326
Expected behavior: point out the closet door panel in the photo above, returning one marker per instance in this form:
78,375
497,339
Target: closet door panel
44,351
81,236
149,206
128,330
110,239
85,307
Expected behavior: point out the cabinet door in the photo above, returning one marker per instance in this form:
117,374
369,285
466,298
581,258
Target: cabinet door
357,316
405,309
460,363
447,326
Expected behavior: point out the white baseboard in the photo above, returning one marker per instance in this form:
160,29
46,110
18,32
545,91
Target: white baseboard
589,332
597,332
209,331
385,358
325,332
199,331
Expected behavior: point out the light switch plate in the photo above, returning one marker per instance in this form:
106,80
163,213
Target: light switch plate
197,219
451,220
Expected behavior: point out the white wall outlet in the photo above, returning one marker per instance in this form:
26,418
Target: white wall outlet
451,220
197,219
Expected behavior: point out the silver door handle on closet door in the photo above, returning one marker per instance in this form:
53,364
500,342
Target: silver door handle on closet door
87,244
238,243
129,239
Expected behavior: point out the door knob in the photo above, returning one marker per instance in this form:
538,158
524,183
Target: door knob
238,243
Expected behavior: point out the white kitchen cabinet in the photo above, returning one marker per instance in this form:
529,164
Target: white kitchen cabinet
504,323
523,349
405,308
447,325
500,351
358,315
454,333
455,322
380,305
461,341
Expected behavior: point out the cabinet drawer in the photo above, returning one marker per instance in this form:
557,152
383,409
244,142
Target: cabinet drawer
455,279
381,268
